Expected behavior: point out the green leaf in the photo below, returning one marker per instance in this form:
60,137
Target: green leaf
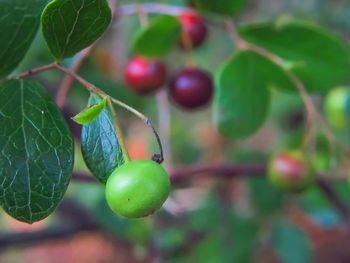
37,151
72,25
245,234
209,249
266,198
90,113
242,97
290,243
317,56
19,22
222,7
158,37
100,145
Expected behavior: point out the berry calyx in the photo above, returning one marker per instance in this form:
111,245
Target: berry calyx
192,88
145,75
291,171
194,30
137,188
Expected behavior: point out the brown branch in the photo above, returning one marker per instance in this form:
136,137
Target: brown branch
68,80
34,71
183,174
30,238
178,175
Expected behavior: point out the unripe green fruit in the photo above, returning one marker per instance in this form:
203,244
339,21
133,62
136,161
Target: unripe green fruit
291,171
336,106
137,188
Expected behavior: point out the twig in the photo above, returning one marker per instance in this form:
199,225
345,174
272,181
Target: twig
34,71
242,44
178,176
182,174
68,81
159,158
30,238
89,86
312,112
220,170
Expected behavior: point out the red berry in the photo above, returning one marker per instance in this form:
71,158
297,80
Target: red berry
193,28
191,88
144,75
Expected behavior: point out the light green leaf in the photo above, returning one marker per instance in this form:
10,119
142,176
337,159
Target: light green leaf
159,37
290,243
72,25
317,56
242,97
100,144
19,22
37,155
222,7
90,113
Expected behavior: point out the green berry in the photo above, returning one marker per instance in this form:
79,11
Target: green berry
335,107
137,188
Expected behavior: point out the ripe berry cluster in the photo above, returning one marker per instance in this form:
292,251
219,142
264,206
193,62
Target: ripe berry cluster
191,87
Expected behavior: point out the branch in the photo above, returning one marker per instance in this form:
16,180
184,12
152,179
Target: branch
178,176
68,80
30,238
183,174
312,112
34,71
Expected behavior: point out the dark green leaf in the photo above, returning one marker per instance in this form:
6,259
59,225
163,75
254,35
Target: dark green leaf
90,113
100,145
209,249
19,22
290,243
37,151
158,37
318,57
266,198
242,97
223,7
72,25
244,234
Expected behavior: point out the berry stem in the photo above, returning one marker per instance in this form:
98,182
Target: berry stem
164,124
159,158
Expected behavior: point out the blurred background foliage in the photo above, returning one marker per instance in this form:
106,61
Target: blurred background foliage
215,220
